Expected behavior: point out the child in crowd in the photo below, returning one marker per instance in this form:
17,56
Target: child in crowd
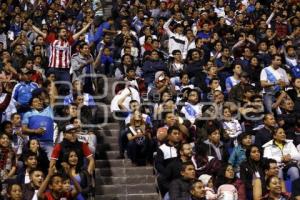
207,180
14,192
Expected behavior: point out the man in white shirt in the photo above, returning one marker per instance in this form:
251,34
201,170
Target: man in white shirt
273,79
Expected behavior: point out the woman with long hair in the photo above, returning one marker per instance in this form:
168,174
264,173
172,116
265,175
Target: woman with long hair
139,137
34,146
225,178
252,166
80,174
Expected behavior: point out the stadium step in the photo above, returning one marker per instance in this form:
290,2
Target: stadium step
118,179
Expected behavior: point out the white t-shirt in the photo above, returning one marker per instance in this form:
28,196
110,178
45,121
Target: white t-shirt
268,72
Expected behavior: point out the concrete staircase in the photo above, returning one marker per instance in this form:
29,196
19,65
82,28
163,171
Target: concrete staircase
118,179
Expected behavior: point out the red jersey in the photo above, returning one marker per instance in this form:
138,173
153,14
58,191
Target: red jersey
65,196
60,51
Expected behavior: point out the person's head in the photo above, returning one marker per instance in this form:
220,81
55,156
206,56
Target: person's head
214,84
237,69
193,96
67,187
212,71
169,118
70,133
174,135
30,160
253,153
184,78
198,190
177,55
270,167
18,50
188,170
29,64
227,113
276,61
154,55
291,51
160,79
77,86
263,46
14,192
4,140
207,180
84,49
213,133
296,83
62,33
218,96
78,99
279,135
72,158
15,119
34,145
273,184
36,103
185,150
178,28
245,139
269,120
226,175
7,127
56,184
195,55
288,105
36,177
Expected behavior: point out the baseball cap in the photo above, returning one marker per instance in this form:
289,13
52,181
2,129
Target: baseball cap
159,76
70,127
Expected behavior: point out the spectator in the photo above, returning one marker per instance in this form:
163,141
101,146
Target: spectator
179,188
36,179
226,176
288,153
70,142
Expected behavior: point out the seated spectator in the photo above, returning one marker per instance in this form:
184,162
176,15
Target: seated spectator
208,184
252,166
238,154
233,80
33,146
192,109
69,142
180,188
173,169
216,147
139,147
80,174
7,162
167,152
284,152
14,192
231,126
30,163
203,163
197,191
55,184
274,189
264,134
226,176
36,179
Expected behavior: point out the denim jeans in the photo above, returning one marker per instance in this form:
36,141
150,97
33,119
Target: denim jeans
268,101
48,147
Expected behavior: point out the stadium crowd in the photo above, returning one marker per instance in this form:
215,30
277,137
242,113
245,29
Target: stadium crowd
208,92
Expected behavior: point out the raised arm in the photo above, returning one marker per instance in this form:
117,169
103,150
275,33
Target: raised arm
38,31
166,26
76,35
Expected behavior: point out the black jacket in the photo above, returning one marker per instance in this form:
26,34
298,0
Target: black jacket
180,189
263,136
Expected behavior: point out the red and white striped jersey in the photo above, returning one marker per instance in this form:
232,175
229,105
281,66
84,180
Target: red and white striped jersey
60,52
